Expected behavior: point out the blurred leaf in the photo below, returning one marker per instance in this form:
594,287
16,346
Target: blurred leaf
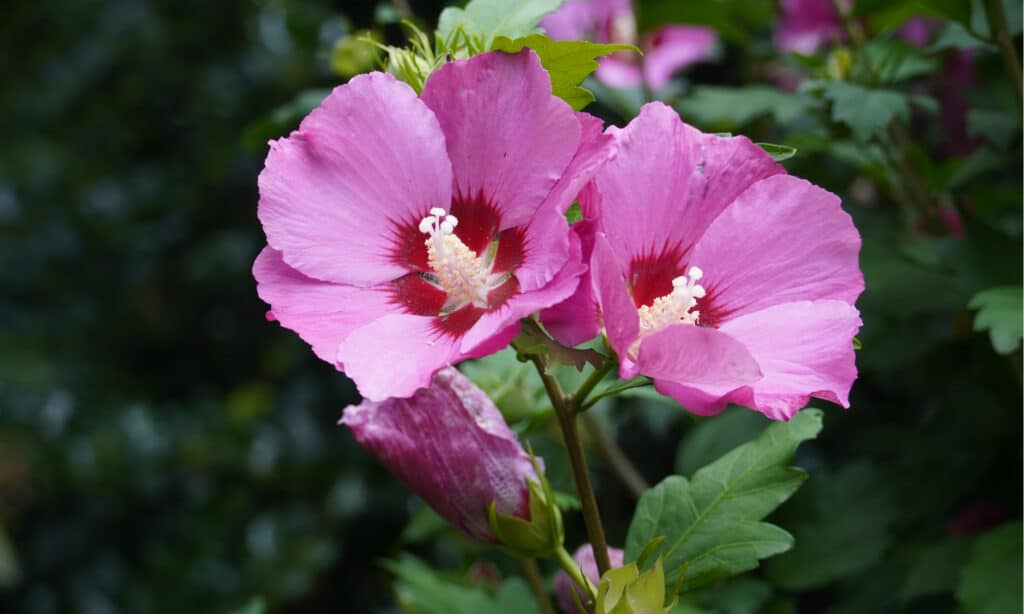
990,581
509,382
354,54
893,61
841,524
726,108
778,153
712,437
256,606
568,63
489,19
1000,129
732,19
420,589
866,111
1000,311
936,569
737,596
425,524
712,522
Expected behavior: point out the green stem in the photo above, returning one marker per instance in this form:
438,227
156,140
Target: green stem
1001,32
532,573
591,382
616,389
573,569
565,411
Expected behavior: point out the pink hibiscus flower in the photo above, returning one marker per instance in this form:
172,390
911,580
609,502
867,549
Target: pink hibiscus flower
715,273
408,233
667,50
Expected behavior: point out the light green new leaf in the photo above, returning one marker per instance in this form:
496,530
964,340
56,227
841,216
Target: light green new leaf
778,153
866,111
489,19
712,523
990,581
1000,312
568,63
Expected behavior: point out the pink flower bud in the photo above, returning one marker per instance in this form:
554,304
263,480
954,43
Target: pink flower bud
584,557
449,444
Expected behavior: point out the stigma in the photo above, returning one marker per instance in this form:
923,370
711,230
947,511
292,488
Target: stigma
675,307
457,270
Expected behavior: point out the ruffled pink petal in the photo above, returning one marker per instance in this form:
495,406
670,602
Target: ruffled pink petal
450,445
559,288
395,355
618,313
333,194
508,138
322,313
672,49
669,181
696,355
615,71
805,349
782,240
547,235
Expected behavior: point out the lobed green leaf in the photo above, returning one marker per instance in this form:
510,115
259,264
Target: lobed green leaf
712,523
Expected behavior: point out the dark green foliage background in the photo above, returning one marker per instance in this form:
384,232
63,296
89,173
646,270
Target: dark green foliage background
164,449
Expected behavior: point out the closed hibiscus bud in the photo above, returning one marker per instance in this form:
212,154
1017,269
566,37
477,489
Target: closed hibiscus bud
449,444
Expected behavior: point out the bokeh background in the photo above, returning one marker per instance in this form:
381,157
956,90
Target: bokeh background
164,448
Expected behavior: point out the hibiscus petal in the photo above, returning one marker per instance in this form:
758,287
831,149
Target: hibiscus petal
546,237
796,244
576,319
507,137
395,355
669,181
696,355
619,314
805,349
322,313
369,159
672,49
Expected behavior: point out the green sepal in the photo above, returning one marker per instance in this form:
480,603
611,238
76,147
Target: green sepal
626,591
543,533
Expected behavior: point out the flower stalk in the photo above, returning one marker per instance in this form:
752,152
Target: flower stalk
565,411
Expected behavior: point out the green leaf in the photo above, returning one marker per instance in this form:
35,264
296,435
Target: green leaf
841,524
10,571
999,312
935,570
990,581
713,437
866,111
733,20
568,63
778,152
419,588
489,19
999,128
713,522
726,108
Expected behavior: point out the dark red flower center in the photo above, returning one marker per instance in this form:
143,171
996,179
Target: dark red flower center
463,269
